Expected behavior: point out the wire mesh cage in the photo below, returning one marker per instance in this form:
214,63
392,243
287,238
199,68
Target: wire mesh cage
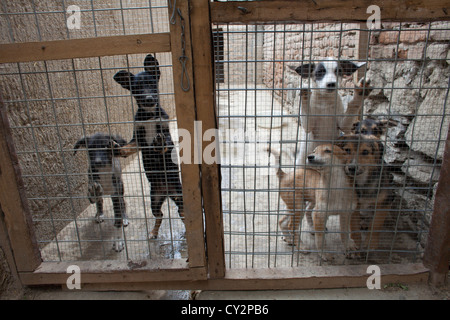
371,102
376,97
69,118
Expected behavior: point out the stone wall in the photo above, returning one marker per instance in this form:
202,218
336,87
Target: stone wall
409,69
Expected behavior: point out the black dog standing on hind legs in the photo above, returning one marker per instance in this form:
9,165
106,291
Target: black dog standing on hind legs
152,137
105,178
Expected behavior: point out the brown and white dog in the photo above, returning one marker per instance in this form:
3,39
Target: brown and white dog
298,191
372,182
328,190
323,115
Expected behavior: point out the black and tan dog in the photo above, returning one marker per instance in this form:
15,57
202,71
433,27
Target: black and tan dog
152,137
372,127
372,182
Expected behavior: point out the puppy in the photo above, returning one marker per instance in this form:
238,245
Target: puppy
327,190
322,113
152,136
297,189
372,127
373,183
105,178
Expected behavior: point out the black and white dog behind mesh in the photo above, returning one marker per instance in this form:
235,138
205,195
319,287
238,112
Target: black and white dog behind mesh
105,178
322,114
152,137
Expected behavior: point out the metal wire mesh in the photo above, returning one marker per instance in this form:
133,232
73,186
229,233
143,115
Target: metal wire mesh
260,107
52,104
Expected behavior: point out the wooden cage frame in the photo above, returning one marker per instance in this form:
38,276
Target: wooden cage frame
206,267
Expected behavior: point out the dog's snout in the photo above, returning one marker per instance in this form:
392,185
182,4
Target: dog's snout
331,85
151,99
311,158
351,169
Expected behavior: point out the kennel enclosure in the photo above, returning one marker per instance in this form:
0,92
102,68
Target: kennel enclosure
232,238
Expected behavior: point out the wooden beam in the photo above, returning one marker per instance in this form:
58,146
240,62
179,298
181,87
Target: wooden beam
327,11
108,271
13,201
186,117
84,48
437,251
201,36
325,277
5,246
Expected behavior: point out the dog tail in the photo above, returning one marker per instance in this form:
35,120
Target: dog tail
280,173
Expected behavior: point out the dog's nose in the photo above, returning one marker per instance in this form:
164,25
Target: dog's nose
351,169
151,99
311,158
331,85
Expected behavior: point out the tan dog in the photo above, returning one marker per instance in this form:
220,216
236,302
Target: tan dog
328,190
373,182
297,189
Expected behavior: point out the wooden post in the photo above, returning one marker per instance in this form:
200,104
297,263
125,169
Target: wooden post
437,251
363,40
201,35
186,117
13,202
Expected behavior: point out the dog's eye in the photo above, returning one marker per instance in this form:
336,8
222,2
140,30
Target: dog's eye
347,150
364,131
365,152
327,151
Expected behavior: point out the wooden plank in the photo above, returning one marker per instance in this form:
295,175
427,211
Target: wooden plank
325,277
201,35
5,246
437,251
13,201
186,117
84,48
108,271
363,55
327,11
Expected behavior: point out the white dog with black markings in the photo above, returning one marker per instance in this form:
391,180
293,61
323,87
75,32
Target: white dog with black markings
322,113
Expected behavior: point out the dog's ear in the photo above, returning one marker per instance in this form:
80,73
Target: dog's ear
151,65
124,78
337,151
305,70
83,142
377,148
347,68
341,141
